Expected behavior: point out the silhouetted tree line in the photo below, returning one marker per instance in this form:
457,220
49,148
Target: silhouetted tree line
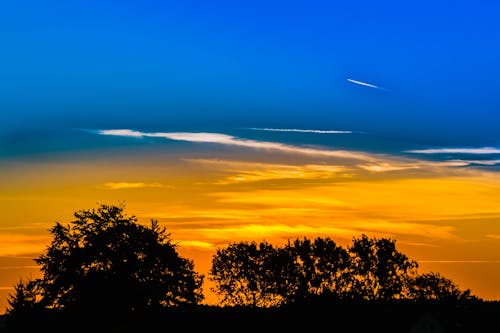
370,269
105,261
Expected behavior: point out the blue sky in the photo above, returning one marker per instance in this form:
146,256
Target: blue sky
197,65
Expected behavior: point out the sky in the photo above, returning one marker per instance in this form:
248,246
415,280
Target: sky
256,120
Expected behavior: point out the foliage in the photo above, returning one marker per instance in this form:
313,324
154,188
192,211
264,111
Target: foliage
106,260
25,298
245,274
433,286
378,270
311,268
370,269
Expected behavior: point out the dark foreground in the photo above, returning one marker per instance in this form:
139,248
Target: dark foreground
411,318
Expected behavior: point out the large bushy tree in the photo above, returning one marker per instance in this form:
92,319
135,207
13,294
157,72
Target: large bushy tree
106,260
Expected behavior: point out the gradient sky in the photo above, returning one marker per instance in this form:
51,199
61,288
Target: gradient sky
260,120
109,64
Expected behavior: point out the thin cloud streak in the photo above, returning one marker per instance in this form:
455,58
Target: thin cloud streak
300,130
128,185
364,84
478,151
479,162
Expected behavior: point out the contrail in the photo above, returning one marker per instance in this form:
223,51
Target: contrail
300,130
364,84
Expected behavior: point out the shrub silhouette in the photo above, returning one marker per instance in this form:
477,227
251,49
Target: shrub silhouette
104,260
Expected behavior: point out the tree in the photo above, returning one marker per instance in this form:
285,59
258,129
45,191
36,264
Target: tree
106,260
434,287
262,275
244,274
24,300
371,269
378,270
312,268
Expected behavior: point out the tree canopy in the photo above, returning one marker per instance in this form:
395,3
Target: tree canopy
106,259
370,269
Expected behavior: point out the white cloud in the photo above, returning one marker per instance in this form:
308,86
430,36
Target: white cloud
234,141
300,130
480,162
483,150
121,132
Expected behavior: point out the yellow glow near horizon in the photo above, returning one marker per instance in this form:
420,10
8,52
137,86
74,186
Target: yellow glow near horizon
447,218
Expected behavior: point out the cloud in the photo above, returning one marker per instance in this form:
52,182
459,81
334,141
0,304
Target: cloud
225,139
364,84
121,132
253,172
384,167
300,130
254,231
194,243
483,150
127,185
21,244
480,162
493,236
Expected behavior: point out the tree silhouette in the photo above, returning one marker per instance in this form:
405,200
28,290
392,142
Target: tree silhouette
311,268
262,275
433,286
244,274
24,300
371,269
379,270
106,260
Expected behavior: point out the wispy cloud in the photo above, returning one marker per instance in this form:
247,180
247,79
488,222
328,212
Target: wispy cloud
493,236
364,84
300,130
128,185
479,151
479,162
384,167
225,139
20,244
194,243
254,172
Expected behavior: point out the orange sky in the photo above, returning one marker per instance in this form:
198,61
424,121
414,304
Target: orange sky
443,216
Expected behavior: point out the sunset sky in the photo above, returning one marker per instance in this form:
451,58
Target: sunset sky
266,120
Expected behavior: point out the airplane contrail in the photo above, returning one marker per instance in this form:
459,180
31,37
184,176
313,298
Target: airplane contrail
364,84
